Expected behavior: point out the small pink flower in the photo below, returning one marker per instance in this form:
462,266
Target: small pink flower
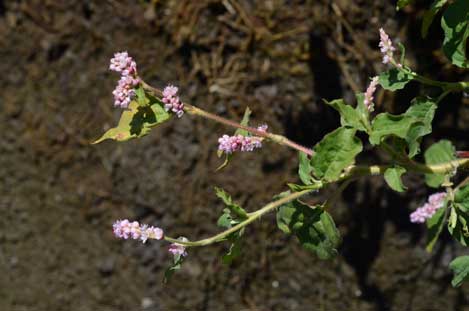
230,144
368,101
178,249
172,101
387,49
124,91
123,63
435,202
125,229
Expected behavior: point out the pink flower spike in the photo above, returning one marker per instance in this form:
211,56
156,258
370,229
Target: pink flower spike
123,63
172,101
124,91
170,91
435,202
368,101
125,229
178,249
386,47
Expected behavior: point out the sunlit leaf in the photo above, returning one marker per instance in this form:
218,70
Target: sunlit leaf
440,152
137,121
336,151
394,79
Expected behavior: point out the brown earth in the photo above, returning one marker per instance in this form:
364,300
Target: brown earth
59,195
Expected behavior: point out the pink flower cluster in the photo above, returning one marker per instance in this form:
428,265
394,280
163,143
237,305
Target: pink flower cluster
368,101
171,100
125,229
421,214
229,144
385,44
178,249
124,91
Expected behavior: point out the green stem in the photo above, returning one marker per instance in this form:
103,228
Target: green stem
446,86
253,216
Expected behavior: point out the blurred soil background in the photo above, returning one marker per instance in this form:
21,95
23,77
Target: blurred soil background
59,195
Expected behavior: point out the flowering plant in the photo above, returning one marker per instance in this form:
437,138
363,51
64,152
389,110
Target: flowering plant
331,160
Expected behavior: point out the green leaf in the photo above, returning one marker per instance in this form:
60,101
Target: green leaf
402,49
245,122
348,115
455,24
137,121
393,178
430,15
225,220
394,79
362,109
314,228
440,152
336,151
461,198
435,225
320,236
305,168
233,252
176,265
402,3
460,267
142,98
458,228
411,125
233,207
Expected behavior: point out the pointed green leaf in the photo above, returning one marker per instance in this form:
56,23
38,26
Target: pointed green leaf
314,228
455,24
430,15
461,198
175,266
460,267
459,228
435,225
349,116
137,121
440,152
233,207
336,151
411,125
305,168
233,252
393,178
394,79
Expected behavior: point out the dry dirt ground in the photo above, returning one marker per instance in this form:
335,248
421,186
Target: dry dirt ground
59,195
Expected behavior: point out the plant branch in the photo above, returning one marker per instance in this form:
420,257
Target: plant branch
253,216
282,140
350,173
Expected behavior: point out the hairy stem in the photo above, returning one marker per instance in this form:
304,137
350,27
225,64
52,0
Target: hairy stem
279,139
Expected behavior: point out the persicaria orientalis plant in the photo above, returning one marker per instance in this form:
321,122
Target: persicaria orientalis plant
332,160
